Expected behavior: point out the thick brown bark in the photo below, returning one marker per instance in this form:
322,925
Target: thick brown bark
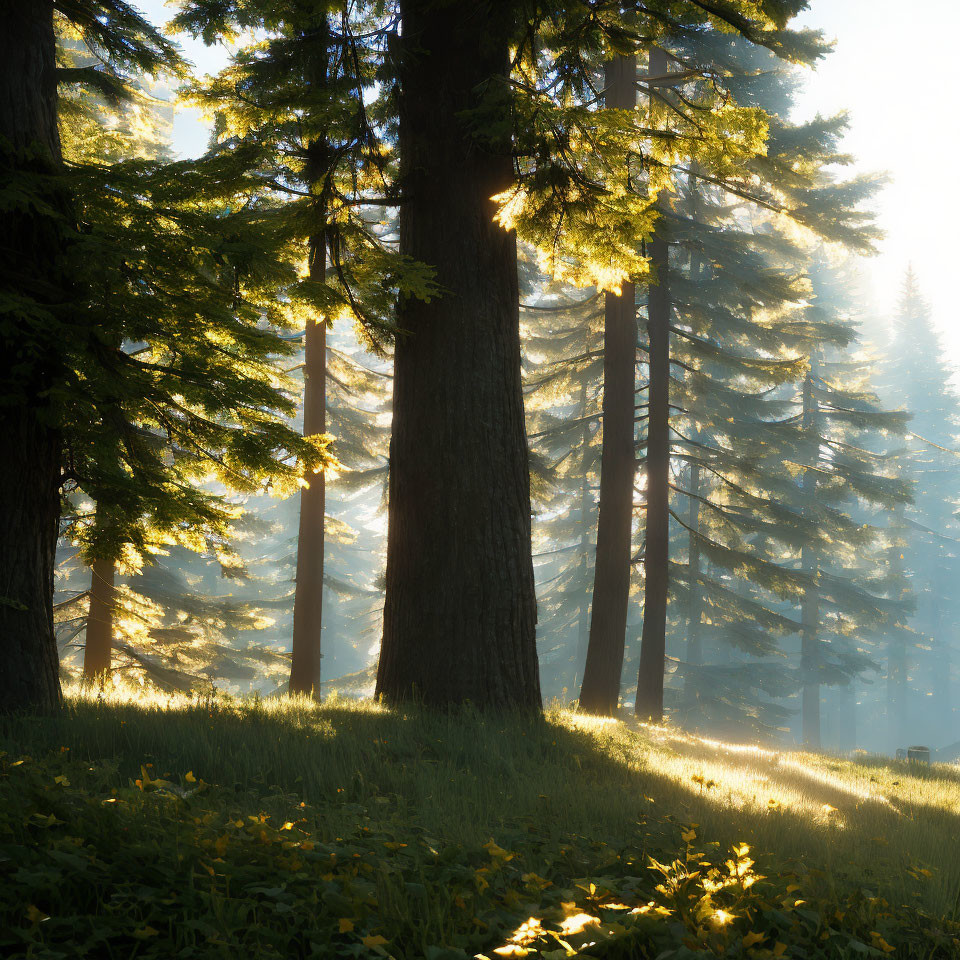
649,703
810,603
308,599
307,653
99,634
30,244
600,691
460,607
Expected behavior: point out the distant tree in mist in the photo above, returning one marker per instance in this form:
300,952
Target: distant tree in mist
917,379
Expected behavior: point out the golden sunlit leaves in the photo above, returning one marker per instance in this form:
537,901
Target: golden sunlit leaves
511,950
374,940
577,923
587,196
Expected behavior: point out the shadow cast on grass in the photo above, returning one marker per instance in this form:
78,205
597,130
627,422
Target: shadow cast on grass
465,777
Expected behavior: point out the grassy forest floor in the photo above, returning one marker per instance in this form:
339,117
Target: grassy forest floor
165,827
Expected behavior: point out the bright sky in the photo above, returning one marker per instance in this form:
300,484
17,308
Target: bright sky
888,71
896,87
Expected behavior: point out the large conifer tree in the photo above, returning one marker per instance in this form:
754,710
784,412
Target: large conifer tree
460,608
137,360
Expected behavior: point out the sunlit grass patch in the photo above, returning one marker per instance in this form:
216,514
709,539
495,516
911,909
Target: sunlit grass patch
290,828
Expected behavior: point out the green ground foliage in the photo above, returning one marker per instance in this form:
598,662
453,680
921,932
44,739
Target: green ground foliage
216,827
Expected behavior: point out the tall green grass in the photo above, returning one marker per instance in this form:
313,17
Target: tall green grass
208,826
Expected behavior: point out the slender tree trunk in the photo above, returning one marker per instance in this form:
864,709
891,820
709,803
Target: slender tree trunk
694,655
460,606
691,683
99,634
583,614
896,692
308,597
810,656
897,650
649,703
940,722
845,715
30,245
810,604
600,691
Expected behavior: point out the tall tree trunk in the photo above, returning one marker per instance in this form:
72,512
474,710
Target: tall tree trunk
940,722
694,653
897,663
99,634
307,654
844,737
30,246
810,604
308,598
691,681
896,693
460,606
649,702
600,691
583,613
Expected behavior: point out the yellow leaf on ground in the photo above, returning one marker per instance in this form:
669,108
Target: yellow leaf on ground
190,778
143,932
880,943
779,949
749,939
62,780
496,851
346,925
373,941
